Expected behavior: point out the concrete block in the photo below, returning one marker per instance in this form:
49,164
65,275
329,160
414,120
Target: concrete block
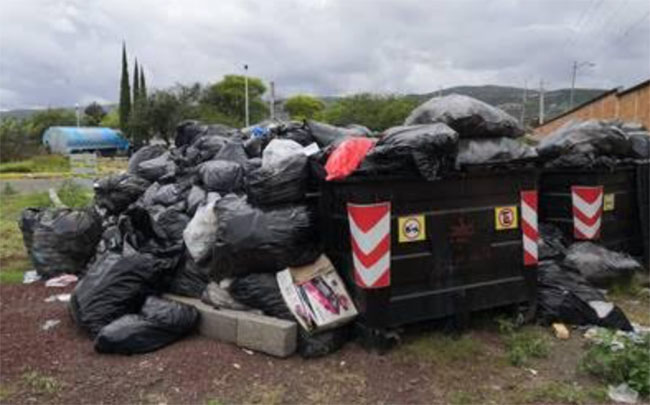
274,336
261,333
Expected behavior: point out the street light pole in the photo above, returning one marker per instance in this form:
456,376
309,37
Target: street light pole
76,111
246,94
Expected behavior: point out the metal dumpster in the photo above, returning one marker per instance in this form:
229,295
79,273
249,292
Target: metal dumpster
455,245
620,220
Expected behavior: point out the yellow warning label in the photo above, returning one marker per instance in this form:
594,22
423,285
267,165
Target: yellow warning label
412,228
608,202
505,218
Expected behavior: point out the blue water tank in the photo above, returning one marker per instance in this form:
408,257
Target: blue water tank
68,140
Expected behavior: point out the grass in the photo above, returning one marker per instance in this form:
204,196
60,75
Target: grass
265,394
38,164
5,392
40,383
523,344
561,392
464,398
441,349
13,257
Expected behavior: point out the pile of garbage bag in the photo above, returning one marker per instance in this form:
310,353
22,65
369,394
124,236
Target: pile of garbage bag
594,143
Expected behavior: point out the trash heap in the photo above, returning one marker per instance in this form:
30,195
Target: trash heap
228,216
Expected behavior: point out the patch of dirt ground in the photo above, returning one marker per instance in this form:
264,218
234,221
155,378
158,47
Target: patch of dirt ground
59,366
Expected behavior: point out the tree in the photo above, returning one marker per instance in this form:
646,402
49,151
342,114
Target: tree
226,99
125,94
143,86
377,112
111,120
303,106
93,114
169,107
136,83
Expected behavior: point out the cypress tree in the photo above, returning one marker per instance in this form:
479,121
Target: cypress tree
143,85
136,85
125,93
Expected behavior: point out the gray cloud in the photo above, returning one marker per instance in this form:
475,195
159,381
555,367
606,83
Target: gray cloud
66,52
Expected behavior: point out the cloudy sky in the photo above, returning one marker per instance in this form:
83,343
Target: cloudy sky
63,52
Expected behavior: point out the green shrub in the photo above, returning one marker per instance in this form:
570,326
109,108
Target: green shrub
73,195
617,359
522,344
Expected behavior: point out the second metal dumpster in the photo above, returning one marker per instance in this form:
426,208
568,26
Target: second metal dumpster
455,244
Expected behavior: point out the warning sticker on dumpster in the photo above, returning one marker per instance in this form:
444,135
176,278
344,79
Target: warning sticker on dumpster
608,202
411,228
505,218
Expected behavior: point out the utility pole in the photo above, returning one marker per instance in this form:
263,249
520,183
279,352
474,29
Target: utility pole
523,104
272,101
76,108
541,101
246,94
576,66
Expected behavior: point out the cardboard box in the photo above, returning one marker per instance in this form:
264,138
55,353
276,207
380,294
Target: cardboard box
316,295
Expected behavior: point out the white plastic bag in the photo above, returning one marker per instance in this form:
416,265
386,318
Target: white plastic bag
278,150
201,232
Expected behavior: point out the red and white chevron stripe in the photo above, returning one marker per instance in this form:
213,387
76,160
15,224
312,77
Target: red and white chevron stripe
587,211
370,240
529,230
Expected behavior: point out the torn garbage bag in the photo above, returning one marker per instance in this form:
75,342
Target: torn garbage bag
250,240
599,265
470,117
217,295
64,240
159,323
565,296
143,154
115,285
261,291
429,149
222,176
492,151
282,182
201,232
347,157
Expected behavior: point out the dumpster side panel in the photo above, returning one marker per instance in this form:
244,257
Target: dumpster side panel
463,263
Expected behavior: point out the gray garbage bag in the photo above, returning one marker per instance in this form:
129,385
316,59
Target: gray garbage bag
278,150
143,154
592,137
599,265
190,278
195,198
326,134
493,151
222,176
161,168
470,117
115,193
62,240
565,296
159,323
217,295
169,222
250,240
232,151
170,194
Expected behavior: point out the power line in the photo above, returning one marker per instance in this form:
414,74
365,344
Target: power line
579,28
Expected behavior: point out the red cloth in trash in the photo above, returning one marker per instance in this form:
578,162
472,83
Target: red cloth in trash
347,157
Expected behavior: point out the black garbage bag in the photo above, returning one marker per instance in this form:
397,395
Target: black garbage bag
143,154
261,291
640,145
27,223
325,134
583,161
63,240
232,151
430,148
115,193
116,285
222,176
160,169
190,278
139,231
285,182
599,265
169,222
493,151
204,148
591,138
188,131
565,296
195,198
250,240
470,117
252,165
170,194
552,243
297,132
159,323
254,146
